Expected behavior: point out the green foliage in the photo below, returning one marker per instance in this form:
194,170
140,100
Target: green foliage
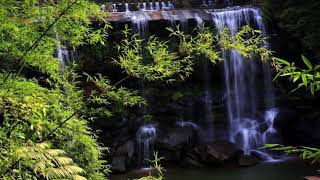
248,42
152,60
50,163
204,44
22,22
31,113
157,166
308,77
109,99
308,153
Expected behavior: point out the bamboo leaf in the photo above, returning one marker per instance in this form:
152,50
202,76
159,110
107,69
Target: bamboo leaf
306,62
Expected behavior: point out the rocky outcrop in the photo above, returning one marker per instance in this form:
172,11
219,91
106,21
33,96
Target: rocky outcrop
216,153
173,143
119,163
212,155
247,160
122,155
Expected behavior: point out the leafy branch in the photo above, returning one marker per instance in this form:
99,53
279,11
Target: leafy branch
308,77
307,153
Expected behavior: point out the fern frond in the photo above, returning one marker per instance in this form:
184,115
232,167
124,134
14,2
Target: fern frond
50,163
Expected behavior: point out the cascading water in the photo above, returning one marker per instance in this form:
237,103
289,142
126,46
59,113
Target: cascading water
241,92
187,124
183,24
145,136
199,21
169,17
146,133
157,6
163,6
144,6
127,7
62,54
270,117
151,6
140,23
114,8
170,6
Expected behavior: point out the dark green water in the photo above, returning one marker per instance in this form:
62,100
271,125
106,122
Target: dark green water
289,170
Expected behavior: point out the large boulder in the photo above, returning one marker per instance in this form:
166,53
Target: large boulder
176,138
175,142
216,153
222,151
247,160
191,161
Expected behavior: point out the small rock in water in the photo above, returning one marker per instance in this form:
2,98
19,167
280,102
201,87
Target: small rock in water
247,160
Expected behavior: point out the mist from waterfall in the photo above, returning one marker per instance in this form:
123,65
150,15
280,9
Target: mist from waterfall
245,127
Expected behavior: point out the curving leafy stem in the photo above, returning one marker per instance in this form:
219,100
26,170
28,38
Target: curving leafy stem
308,77
308,153
152,59
102,102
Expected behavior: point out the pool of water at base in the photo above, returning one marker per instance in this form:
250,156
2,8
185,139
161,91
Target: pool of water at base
288,170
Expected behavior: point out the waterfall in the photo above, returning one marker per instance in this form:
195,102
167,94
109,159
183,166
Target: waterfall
144,6
269,118
199,21
167,6
169,17
114,8
140,23
188,124
163,5
157,6
127,7
170,6
183,24
62,54
240,79
145,136
151,5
